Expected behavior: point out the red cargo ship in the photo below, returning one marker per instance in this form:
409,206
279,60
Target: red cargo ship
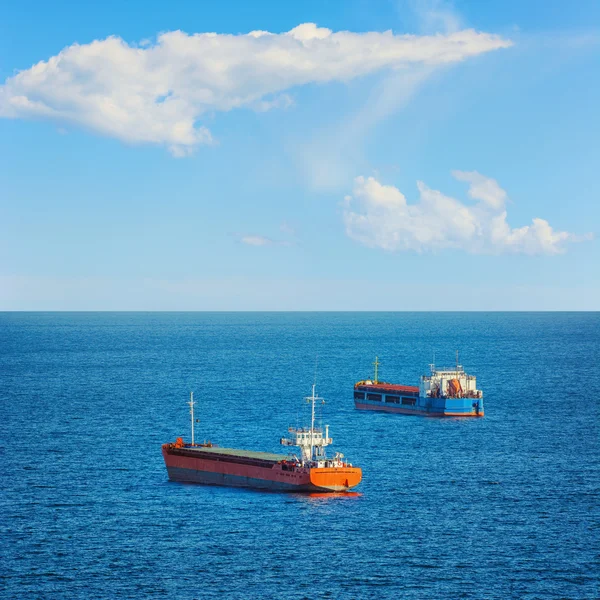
312,471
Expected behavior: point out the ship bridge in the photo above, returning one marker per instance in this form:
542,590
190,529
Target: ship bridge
449,382
312,440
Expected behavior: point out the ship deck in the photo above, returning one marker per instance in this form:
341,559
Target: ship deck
234,452
391,387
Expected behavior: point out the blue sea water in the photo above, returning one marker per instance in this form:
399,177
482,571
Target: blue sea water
501,507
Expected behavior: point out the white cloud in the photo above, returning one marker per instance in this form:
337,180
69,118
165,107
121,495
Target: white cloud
282,101
156,93
261,240
436,15
287,229
482,188
256,240
379,216
330,156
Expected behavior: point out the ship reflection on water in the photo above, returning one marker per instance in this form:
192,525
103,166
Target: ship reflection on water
314,496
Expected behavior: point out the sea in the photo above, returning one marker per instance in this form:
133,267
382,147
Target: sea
505,506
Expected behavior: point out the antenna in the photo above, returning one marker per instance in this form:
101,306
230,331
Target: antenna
312,421
376,363
191,403
312,400
312,424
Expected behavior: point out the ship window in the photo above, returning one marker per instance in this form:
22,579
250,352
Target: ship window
409,401
393,399
374,397
359,395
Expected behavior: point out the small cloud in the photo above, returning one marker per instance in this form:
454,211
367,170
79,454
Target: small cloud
256,240
437,16
283,101
379,216
329,157
259,33
261,240
286,228
482,188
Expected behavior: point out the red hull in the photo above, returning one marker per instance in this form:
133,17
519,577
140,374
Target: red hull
210,467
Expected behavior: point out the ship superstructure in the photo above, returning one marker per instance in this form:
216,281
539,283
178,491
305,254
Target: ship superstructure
445,392
312,441
312,471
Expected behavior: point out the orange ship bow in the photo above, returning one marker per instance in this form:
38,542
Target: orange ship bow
336,479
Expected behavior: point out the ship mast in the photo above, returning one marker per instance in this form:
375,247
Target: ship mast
312,424
311,442
376,363
191,403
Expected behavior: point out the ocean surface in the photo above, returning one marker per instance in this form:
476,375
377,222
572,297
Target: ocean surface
507,506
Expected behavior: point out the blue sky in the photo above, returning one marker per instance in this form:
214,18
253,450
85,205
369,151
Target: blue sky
198,173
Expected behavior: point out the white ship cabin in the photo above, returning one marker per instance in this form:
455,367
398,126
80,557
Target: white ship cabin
449,382
312,444
312,441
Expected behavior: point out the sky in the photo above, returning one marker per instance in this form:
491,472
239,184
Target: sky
330,155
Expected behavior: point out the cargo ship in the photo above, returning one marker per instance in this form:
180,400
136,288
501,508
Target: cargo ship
311,471
445,392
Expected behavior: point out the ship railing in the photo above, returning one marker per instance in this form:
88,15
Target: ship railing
304,430
454,369
466,394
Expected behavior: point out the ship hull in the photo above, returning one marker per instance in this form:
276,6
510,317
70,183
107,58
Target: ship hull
427,407
209,467
447,392
227,479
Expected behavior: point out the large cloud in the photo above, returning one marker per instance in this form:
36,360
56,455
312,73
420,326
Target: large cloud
158,93
379,216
